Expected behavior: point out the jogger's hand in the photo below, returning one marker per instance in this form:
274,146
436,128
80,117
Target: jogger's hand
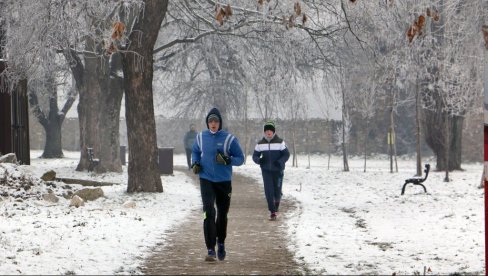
196,168
222,159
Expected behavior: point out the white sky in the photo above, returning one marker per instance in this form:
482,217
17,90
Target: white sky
441,230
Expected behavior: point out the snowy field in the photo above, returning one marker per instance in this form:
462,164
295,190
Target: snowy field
102,237
358,223
347,222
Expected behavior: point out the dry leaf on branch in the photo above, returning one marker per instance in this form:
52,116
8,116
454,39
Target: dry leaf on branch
219,16
484,29
118,29
411,32
291,22
304,19
420,23
297,8
433,13
222,13
435,16
228,10
416,28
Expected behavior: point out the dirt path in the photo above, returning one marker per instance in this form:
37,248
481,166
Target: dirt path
254,245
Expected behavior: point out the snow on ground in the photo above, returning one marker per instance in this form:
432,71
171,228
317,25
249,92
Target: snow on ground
102,237
358,223
347,222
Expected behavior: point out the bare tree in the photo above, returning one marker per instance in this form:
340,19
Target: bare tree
454,79
44,100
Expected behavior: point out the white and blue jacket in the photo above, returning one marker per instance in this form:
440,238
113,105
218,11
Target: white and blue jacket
271,155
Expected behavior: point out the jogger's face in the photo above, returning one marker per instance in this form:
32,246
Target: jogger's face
269,133
213,125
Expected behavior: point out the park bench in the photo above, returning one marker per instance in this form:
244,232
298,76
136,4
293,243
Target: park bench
91,159
417,180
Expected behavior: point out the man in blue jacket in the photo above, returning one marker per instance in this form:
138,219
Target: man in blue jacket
271,154
214,153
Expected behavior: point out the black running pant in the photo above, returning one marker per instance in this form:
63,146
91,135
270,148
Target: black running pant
188,157
215,223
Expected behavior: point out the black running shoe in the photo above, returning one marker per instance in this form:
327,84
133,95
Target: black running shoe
221,252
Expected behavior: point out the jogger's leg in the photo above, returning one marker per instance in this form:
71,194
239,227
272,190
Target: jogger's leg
188,157
208,200
269,190
223,194
277,181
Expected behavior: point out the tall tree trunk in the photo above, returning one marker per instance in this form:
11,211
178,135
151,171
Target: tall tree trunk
392,134
329,142
446,146
293,136
53,122
111,98
87,83
88,111
418,128
366,143
344,148
53,146
246,127
138,76
435,137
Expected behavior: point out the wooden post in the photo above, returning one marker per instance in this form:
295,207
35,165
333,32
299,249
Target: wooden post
20,123
5,117
485,174
484,30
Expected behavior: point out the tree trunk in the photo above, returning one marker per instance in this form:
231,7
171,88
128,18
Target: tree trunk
88,86
88,110
435,138
417,124
331,130
344,148
392,133
293,136
53,146
112,85
54,120
366,143
138,75
446,147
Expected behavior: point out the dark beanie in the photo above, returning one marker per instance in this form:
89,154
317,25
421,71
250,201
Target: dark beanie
214,112
269,125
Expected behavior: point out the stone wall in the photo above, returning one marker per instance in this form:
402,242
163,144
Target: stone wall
307,136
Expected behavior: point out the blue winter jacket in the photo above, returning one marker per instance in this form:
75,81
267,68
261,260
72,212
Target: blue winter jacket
272,155
206,147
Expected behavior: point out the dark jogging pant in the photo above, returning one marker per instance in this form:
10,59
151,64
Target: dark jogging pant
215,223
272,188
188,157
